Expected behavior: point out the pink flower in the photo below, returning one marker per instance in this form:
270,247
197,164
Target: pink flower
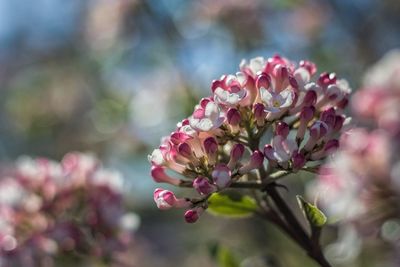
230,89
206,116
273,101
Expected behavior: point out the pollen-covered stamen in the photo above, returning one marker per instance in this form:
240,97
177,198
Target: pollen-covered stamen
255,162
160,176
211,148
221,176
306,115
192,215
236,154
203,185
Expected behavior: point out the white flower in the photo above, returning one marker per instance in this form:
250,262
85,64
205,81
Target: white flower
283,148
275,102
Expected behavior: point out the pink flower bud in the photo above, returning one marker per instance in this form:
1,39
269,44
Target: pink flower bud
191,216
233,116
318,130
256,161
185,150
263,81
221,176
310,98
326,79
179,137
259,113
306,115
210,145
269,152
282,129
339,120
298,160
312,69
159,176
203,186
211,148
166,199
236,154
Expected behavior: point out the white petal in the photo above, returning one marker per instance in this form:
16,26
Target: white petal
241,77
302,76
266,96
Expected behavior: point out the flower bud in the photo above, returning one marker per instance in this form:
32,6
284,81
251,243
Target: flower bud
256,161
310,98
282,129
166,199
318,130
221,176
259,114
192,215
339,121
203,186
159,176
233,116
263,81
211,148
236,154
298,160
326,79
306,115
185,150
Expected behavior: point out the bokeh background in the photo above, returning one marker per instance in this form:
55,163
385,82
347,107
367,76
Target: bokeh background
113,76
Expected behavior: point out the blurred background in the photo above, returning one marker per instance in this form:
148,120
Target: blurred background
113,76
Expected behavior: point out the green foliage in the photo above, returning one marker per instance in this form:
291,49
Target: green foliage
231,205
315,216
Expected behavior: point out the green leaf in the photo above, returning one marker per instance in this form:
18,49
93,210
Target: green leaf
229,206
225,258
314,215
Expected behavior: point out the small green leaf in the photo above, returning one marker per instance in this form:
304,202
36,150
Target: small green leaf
314,215
228,206
225,258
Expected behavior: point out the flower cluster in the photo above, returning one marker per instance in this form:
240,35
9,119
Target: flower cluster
378,101
51,210
272,115
362,183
